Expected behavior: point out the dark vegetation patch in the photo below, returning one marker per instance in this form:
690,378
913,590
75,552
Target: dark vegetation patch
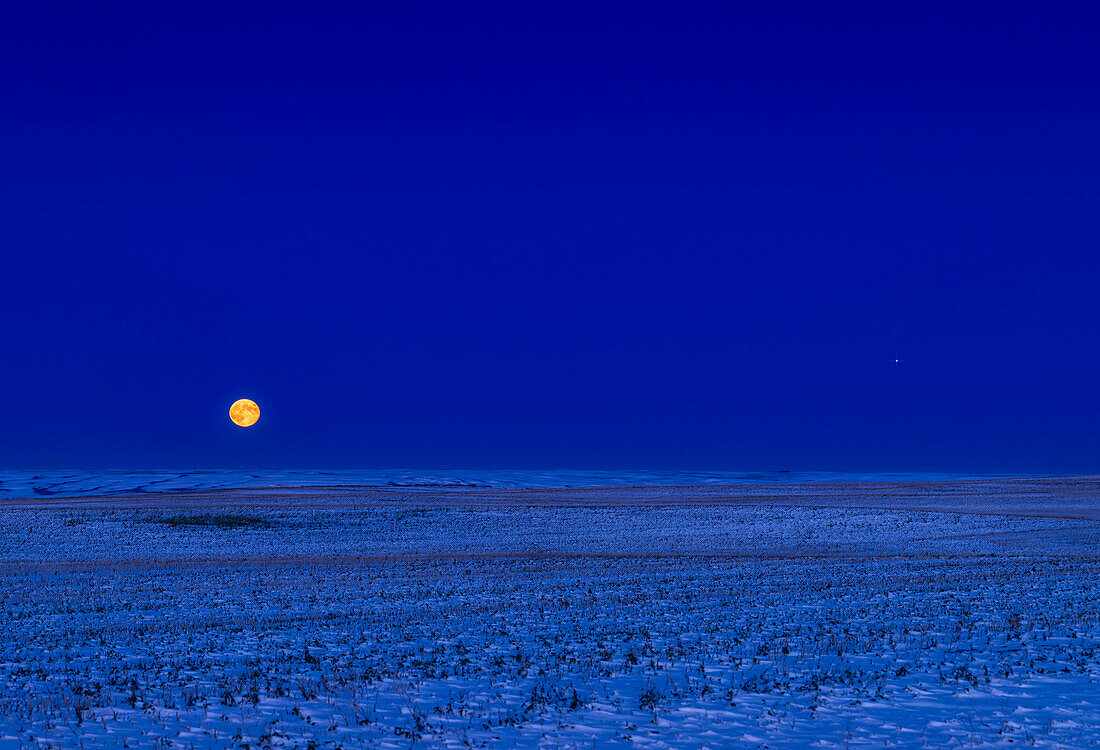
219,520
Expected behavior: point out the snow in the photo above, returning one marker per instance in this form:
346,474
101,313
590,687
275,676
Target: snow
883,615
83,483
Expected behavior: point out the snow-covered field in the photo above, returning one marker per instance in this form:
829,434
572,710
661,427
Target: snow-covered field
827,615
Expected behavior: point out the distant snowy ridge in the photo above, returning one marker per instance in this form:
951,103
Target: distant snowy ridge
83,483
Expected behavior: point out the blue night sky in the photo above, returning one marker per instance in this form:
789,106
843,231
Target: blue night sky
675,239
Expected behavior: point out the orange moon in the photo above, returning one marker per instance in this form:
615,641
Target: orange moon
244,412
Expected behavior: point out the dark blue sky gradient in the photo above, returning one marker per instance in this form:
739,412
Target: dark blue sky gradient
567,239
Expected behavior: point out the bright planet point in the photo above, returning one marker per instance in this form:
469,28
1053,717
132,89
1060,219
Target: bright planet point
244,412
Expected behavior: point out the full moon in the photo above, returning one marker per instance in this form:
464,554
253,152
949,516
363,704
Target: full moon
244,412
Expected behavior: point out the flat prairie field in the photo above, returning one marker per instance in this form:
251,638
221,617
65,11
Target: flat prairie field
916,614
